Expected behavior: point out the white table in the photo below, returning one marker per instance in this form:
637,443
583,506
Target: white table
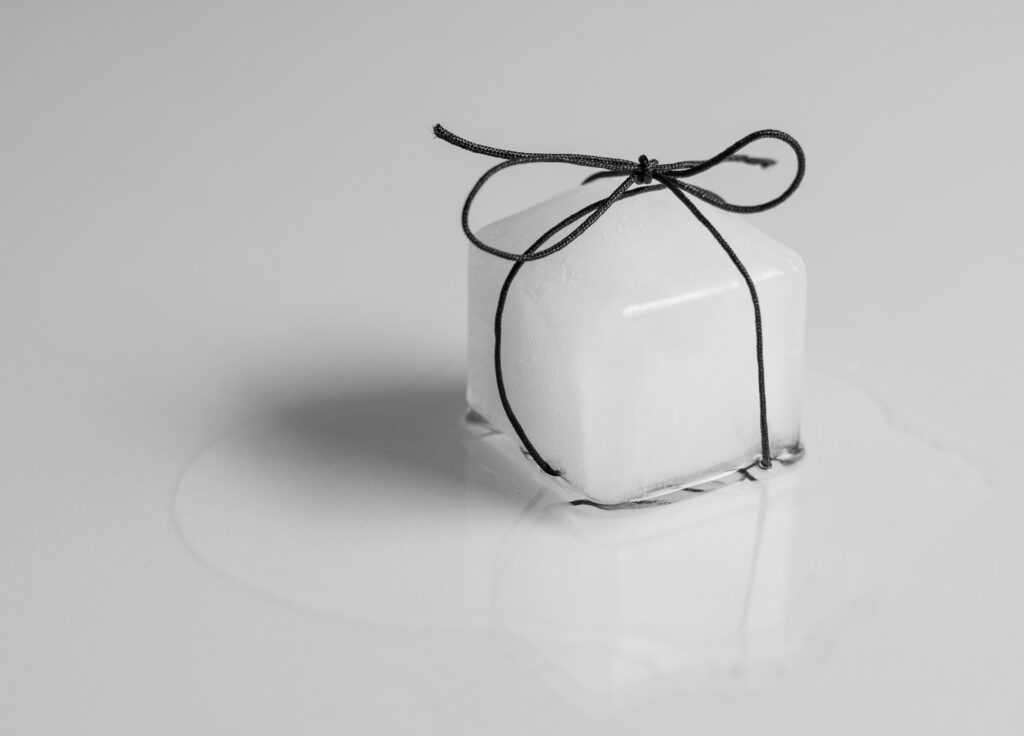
213,215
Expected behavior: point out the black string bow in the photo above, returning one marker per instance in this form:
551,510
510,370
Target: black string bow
640,174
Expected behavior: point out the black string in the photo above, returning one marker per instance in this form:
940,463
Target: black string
642,173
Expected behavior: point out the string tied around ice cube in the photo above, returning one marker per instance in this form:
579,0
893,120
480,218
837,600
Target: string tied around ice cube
639,177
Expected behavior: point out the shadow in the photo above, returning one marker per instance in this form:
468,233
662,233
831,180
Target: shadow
417,427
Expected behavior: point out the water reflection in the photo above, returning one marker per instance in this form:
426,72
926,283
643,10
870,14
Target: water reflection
698,589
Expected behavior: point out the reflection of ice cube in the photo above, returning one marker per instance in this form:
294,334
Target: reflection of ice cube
694,591
629,356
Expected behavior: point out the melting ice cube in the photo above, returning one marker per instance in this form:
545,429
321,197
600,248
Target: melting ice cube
629,357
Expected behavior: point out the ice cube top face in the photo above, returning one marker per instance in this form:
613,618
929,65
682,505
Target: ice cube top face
629,357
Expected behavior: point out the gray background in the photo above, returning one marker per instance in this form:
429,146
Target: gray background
201,198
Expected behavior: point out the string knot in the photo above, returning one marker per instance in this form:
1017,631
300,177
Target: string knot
644,172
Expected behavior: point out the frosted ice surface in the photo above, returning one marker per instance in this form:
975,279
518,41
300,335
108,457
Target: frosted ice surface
629,356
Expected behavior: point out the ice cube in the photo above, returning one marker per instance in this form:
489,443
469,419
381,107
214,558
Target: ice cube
629,357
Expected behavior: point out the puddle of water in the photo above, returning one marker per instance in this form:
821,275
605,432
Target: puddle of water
381,509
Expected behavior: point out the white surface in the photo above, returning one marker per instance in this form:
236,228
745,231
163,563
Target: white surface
629,356
207,209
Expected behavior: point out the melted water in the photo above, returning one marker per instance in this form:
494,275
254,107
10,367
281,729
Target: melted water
401,519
